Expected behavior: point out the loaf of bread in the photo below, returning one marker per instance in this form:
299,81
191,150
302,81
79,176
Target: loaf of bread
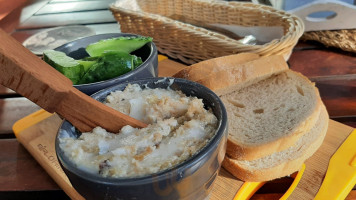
270,115
205,68
282,163
276,119
229,73
233,78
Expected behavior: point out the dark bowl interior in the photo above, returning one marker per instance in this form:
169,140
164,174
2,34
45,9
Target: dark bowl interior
148,54
198,172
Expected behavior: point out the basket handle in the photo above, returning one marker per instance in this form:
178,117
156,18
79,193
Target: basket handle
341,15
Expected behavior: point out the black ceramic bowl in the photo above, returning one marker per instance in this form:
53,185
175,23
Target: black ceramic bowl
192,179
148,54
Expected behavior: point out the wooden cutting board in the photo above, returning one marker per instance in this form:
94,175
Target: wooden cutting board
37,133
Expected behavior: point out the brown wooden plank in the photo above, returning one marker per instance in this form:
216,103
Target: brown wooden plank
225,186
334,73
339,97
352,195
19,171
308,45
13,109
322,63
350,121
168,67
271,196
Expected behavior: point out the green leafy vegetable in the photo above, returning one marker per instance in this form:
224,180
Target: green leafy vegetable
86,64
108,59
137,61
71,68
110,64
123,44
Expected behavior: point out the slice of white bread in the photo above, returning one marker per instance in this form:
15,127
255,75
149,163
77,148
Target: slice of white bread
283,163
238,76
270,115
205,68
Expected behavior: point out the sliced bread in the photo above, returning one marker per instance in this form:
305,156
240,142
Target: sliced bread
270,115
283,163
202,69
238,76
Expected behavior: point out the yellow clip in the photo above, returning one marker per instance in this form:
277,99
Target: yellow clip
248,189
341,175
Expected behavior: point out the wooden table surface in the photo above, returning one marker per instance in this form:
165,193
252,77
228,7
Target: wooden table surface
21,177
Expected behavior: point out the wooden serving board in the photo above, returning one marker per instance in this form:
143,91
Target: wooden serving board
38,138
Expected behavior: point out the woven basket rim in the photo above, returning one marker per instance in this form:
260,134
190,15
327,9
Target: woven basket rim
294,21
292,25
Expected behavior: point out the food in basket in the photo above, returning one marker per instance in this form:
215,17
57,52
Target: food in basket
108,59
179,128
276,117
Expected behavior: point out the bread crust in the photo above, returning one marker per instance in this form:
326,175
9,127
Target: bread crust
279,170
239,76
205,68
240,151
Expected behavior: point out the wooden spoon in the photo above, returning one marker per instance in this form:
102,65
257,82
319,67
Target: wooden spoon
34,79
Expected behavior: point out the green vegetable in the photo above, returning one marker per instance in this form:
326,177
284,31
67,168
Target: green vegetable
90,58
86,64
137,61
108,59
109,65
71,68
122,44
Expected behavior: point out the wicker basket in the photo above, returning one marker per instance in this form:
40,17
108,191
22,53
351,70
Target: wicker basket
191,44
343,39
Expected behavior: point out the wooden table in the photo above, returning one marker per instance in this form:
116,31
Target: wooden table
21,177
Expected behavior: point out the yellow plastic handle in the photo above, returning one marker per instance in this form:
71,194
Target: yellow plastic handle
30,120
294,184
248,189
341,175
161,57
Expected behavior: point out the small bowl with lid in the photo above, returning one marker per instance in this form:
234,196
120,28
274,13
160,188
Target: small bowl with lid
192,178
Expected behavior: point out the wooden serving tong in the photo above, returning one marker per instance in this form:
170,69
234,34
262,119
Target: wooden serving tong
28,75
